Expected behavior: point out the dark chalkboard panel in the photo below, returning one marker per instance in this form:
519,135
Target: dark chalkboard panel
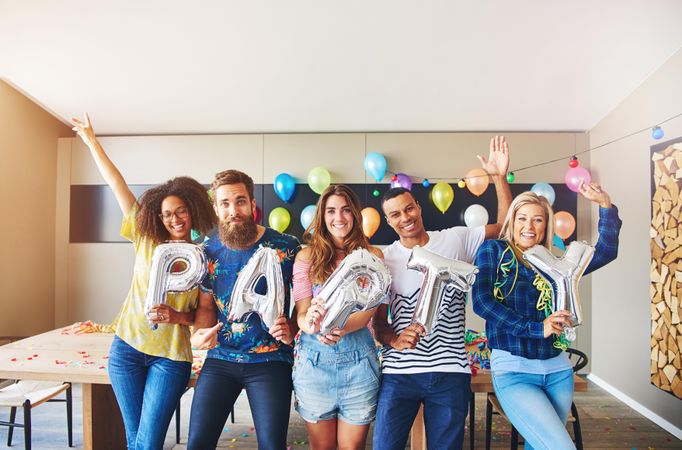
96,217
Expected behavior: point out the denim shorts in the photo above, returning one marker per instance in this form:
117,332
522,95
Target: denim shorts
331,385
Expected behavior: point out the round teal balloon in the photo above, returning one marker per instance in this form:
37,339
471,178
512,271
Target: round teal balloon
544,190
284,186
375,165
307,216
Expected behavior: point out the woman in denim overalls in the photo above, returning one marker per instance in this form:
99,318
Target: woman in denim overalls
336,376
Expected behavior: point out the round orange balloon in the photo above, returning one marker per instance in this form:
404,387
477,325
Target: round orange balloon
477,181
370,221
564,224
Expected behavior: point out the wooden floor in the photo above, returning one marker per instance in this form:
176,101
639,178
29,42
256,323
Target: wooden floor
606,422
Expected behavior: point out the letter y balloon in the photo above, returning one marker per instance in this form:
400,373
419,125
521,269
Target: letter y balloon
563,275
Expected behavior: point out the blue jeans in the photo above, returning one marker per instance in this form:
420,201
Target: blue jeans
445,397
538,406
268,387
147,390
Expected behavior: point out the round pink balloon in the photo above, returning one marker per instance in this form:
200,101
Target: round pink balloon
575,175
403,181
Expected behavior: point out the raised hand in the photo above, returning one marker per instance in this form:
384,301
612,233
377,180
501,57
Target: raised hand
497,162
84,130
595,193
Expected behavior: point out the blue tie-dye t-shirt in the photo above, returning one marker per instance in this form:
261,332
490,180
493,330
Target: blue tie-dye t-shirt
247,341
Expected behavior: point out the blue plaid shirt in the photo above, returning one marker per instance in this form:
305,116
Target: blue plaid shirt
515,324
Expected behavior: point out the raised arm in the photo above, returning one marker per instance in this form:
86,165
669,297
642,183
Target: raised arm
107,169
497,165
606,249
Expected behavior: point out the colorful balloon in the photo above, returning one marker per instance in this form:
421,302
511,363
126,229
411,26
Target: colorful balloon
475,216
307,216
564,224
477,181
442,196
284,186
544,190
370,221
319,179
401,180
375,165
575,175
279,219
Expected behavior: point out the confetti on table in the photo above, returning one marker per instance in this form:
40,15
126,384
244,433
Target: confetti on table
233,440
226,430
245,434
13,360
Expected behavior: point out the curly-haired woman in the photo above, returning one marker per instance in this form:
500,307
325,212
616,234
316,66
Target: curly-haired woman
149,369
336,376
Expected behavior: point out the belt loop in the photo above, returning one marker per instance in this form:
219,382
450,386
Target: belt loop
315,358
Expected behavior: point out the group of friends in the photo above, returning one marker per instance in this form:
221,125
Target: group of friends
339,382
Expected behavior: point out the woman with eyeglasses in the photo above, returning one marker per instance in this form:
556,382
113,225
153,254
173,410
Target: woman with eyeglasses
149,368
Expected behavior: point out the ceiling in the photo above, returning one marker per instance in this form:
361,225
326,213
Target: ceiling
219,66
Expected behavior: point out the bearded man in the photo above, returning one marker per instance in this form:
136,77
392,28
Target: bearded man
246,356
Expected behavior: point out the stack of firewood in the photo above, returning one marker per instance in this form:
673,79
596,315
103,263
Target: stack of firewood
666,271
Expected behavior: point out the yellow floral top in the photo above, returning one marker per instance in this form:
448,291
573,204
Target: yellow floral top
168,340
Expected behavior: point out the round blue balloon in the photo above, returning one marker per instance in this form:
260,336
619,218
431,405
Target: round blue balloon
545,190
307,216
375,165
284,186
657,133
426,182
558,243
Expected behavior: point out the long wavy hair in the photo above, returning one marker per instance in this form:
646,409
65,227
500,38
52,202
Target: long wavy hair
523,199
195,196
320,241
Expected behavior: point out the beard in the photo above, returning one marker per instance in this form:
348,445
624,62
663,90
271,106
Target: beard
238,235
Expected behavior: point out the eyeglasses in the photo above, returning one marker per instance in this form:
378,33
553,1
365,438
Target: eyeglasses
180,213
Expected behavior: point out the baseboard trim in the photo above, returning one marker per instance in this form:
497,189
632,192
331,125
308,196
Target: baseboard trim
643,410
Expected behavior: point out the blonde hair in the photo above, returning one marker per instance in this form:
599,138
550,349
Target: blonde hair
528,198
319,240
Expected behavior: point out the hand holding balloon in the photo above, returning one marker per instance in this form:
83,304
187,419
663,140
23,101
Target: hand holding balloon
332,337
162,313
595,193
281,330
314,315
206,338
409,337
555,323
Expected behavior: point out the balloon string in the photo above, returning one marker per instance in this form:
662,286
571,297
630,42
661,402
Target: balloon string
505,267
545,304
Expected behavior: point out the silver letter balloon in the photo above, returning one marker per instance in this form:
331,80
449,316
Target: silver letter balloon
359,283
263,264
439,272
162,280
563,275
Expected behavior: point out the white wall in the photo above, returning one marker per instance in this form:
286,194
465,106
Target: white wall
93,279
621,329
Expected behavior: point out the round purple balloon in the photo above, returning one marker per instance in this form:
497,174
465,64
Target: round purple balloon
402,180
575,175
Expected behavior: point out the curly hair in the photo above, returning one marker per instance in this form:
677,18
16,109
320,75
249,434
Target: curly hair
317,236
190,191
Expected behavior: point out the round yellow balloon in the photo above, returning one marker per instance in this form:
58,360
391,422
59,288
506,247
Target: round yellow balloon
477,181
370,221
319,179
279,219
442,196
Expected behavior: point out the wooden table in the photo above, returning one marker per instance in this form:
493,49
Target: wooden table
78,359
481,382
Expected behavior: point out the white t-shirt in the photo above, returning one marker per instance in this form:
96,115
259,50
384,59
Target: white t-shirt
443,349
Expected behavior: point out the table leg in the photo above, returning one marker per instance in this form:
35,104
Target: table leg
102,421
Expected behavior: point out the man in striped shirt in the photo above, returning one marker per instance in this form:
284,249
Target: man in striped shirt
431,370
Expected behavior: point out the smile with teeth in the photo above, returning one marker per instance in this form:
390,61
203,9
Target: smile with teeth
408,226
